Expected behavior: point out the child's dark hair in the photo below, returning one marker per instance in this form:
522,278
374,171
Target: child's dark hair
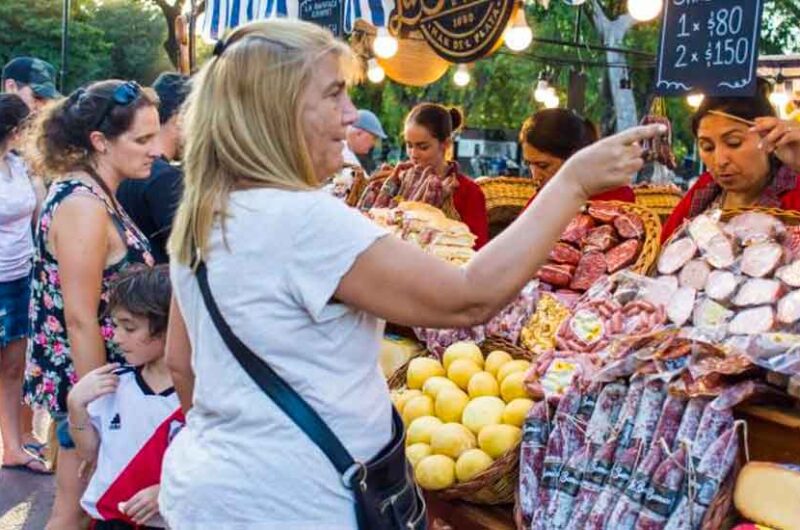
13,112
558,132
144,292
440,121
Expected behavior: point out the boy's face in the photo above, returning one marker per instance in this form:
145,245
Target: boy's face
132,334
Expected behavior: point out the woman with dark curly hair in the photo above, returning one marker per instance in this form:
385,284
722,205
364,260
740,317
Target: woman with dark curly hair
90,142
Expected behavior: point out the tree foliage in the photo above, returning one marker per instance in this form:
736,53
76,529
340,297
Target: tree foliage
117,38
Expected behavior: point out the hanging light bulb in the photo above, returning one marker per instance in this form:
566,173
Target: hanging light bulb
779,98
644,10
461,77
384,45
543,89
518,35
552,101
375,72
695,100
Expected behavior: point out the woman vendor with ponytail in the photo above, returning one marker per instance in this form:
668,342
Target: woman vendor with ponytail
428,134
550,137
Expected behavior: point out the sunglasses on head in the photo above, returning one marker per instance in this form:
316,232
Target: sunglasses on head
123,95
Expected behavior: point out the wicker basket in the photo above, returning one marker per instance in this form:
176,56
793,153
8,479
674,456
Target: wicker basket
652,234
505,199
498,483
660,199
788,217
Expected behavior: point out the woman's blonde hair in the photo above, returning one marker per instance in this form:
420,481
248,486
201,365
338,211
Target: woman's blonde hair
242,123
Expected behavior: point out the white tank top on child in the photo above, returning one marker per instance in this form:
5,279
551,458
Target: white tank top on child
241,463
17,204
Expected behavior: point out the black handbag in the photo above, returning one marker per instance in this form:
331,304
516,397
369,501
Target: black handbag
385,495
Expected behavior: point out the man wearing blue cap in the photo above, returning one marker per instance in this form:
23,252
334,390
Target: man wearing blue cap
32,79
361,138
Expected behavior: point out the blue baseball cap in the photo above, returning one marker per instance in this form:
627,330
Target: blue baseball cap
367,121
36,73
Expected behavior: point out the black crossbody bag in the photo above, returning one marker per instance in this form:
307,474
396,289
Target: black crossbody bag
385,495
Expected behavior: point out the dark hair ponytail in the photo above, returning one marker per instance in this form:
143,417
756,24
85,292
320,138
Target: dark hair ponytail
61,138
440,121
558,132
13,112
748,108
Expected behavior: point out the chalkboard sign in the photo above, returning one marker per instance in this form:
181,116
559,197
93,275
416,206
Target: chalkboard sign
325,13
709,46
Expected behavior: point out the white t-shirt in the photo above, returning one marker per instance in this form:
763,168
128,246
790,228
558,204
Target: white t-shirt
17,204
135,426
241,463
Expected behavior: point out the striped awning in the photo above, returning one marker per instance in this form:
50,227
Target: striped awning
221,15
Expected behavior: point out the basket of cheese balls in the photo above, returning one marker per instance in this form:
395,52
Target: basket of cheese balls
463,416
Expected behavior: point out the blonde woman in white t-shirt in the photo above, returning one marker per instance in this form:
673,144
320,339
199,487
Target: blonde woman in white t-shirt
302,280
18,199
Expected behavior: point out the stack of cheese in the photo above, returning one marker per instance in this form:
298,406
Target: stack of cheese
428,228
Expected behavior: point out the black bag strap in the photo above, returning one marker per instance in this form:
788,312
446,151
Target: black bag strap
290,402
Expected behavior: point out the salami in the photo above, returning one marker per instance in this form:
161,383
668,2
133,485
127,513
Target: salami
649,412
629,226
721,285
556,275
531,459
659,291
710,314
712,424
663,493
565,254
676,255
694,274
590,269
689,422
618,480
681,305
751,321
561,503
606,412
754,227
760,259
758,291
719,252
790,274
604,213
669,423
577,229
626,511
789,308
599,239
594,480
622,255
712,470
555,455
703,229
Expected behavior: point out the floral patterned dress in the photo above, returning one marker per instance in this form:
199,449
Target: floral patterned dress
50,374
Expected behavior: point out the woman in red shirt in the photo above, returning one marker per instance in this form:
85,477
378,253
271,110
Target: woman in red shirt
429,137
747,166
550,137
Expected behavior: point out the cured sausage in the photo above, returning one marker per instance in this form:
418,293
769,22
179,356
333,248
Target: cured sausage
577,229
629,225
751,321
681,305
531,459
789,308
599,239
605,213
719,252
590,269
565,254
758,291
555,274
754,227
760,259
790,274
622,255
676,255
721,285
663,492
694,274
